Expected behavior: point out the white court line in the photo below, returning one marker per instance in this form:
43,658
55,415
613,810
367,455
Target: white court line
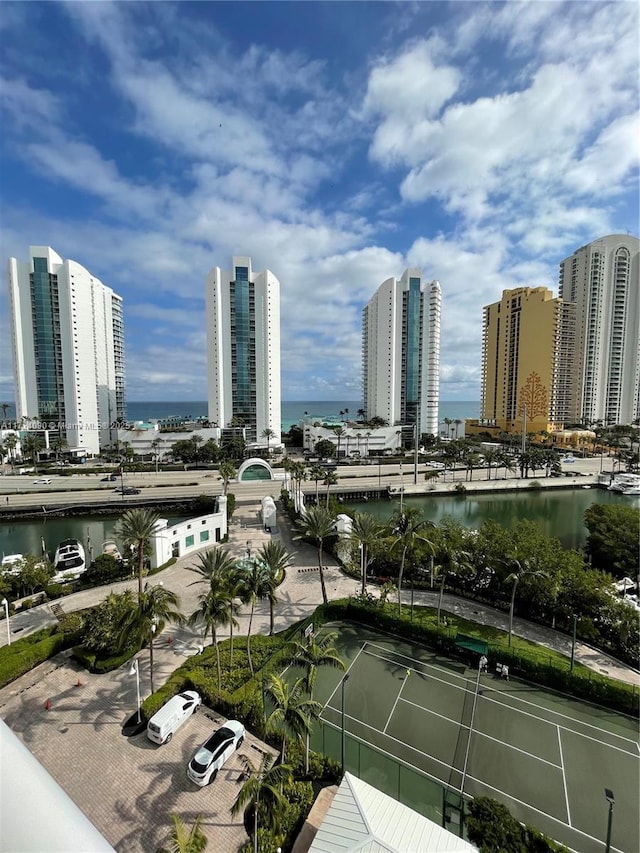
478,733
337,687
419,672
516,698
545,814
564,778
384,731
564,728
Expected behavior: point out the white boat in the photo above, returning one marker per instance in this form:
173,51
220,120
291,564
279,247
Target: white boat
627,484
69,559
11,563
109,546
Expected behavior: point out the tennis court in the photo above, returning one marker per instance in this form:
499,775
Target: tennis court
424,728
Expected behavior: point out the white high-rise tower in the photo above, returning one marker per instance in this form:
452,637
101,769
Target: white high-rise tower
243,342
401,352
603,279
68,349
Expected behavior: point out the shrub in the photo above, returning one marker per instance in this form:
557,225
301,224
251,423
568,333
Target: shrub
22,655
494,829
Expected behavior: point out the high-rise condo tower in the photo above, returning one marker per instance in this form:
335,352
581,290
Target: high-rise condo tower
243,341
603,280
68,349
527,356
401,352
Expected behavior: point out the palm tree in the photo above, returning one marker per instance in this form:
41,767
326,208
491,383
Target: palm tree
212,562
339,432
58,445
361,414
454,560
316,473
32,444
311,654
366,530
293,712
330,479
519,569
458,423
262,788
136,528
155,606
10,442
275,559
5,408
408,527
227,471
184,840
155,444
253,585
268,434
213,612
318,524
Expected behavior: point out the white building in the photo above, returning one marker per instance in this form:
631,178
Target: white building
603,279
353,442
401,352
68,349
243,341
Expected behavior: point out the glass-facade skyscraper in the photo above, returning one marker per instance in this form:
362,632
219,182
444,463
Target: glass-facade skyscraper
401,352
243,342
68,349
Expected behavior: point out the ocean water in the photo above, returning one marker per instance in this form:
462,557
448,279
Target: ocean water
294,410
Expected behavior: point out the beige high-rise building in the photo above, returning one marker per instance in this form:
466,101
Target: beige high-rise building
603,280
526,361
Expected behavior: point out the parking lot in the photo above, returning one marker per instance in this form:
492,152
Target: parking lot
127,787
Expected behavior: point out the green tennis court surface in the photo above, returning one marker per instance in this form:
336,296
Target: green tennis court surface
416,728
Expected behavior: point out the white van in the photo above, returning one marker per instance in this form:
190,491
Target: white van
171,716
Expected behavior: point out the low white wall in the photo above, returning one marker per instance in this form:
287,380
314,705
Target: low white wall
189,536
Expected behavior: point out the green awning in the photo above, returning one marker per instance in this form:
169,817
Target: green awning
471,644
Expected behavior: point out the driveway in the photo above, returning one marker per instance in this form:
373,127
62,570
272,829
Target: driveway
127,787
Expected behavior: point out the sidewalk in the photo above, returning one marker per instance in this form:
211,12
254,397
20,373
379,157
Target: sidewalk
299,595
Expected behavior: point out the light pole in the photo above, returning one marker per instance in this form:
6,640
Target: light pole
362,574
5,604
611,800
135,671
345,678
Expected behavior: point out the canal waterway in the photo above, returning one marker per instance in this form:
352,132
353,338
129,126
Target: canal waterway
26,537
559,513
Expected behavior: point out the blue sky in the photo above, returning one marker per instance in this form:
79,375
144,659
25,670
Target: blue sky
336,143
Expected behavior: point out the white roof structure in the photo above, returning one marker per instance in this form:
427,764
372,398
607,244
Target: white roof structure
365,820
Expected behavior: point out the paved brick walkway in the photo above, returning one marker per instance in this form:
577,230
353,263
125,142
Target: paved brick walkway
128,788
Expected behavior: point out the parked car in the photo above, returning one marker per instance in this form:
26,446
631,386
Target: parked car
42,481
172,715
127,490
568,459
214,752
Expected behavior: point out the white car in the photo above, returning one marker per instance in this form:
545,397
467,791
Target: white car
437,465
214,752
42,481
568,459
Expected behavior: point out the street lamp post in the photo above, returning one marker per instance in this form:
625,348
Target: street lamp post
5,604
345,678
611,800
135,671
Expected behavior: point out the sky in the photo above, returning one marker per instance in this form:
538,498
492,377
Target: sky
335,143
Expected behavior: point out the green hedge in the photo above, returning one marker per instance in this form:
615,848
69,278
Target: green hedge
582,683
493,829
90,660
23,654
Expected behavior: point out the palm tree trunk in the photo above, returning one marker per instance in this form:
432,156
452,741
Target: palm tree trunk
214,641
151,659
404,554
440,597
249,639
513,599
271,618
140,566
322,583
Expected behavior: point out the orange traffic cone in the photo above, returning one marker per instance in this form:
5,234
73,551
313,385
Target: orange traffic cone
78,683
47,705
169,640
